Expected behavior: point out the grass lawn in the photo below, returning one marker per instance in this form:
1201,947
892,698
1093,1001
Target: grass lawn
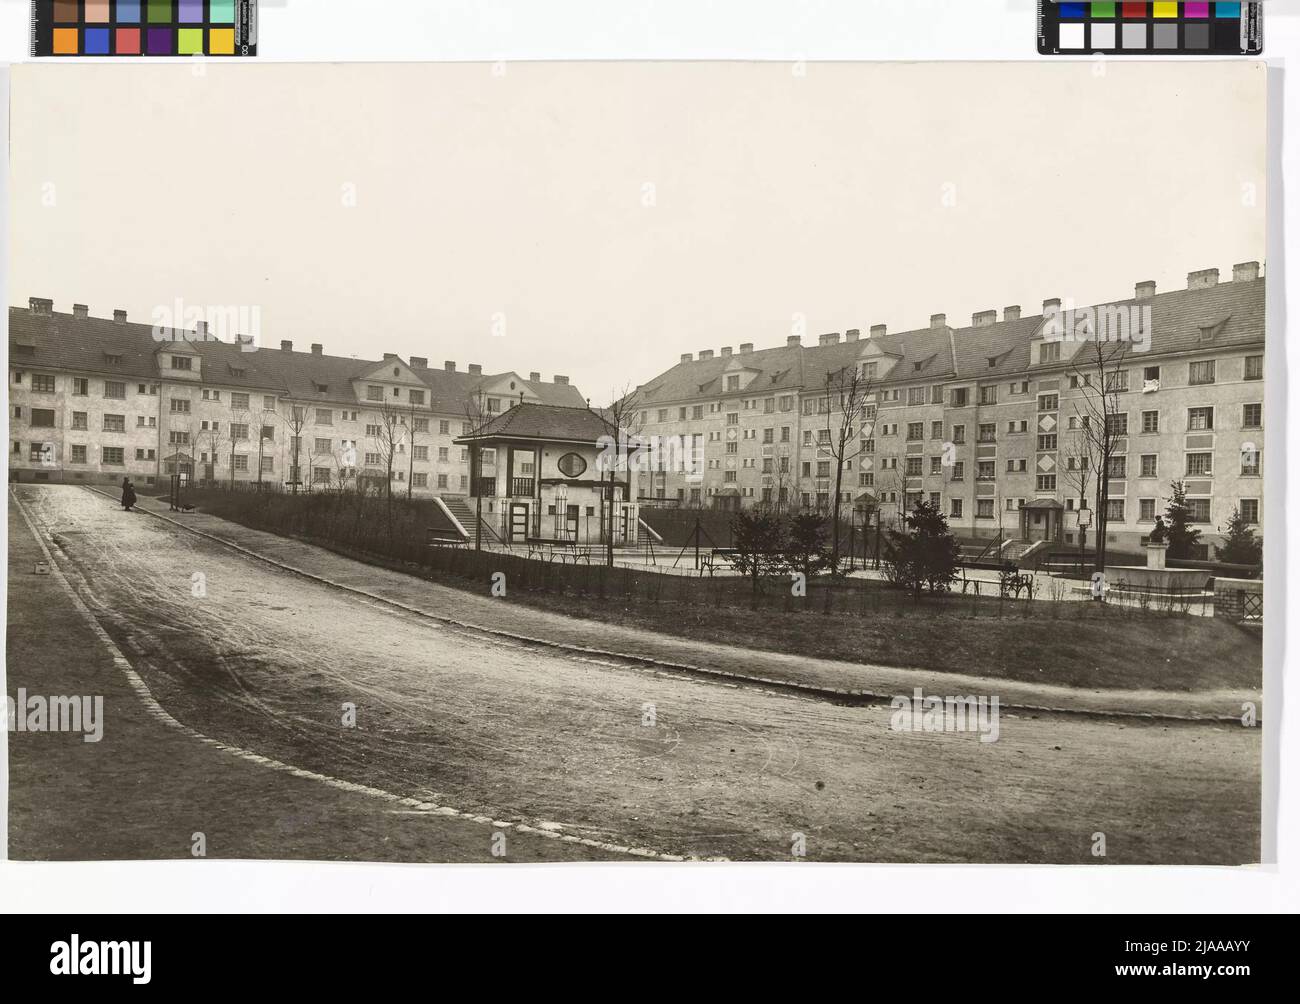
1061,642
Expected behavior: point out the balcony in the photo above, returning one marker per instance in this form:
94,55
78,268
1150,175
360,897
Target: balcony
487,488
521,487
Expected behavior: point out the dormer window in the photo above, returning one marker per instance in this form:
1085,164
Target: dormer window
182,363
320,388
237,371
113,358
733,382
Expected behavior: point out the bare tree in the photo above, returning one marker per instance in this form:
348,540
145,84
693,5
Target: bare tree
215,441
1098,370
412,418
238,426
622,415
294,417
848,396
1081,462
264,417
476,416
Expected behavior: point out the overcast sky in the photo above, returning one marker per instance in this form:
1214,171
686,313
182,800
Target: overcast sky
604,218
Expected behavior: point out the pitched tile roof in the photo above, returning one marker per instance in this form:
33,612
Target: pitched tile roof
1233,310
550,422
84,344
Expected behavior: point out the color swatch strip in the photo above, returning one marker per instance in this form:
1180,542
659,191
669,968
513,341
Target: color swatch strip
144,27
1162,29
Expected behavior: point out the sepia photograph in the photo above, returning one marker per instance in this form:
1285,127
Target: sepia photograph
663,462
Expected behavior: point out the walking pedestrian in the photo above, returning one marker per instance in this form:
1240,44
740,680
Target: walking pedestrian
128,494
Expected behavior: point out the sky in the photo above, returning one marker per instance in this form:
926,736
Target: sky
598,220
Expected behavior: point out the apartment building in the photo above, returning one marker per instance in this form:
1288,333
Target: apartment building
95,400
988,419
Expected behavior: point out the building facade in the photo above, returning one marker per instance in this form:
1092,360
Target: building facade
96,400
990,421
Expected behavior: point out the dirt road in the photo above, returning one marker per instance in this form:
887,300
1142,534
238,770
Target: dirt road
271,662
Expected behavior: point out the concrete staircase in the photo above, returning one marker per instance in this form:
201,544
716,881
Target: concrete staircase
462,509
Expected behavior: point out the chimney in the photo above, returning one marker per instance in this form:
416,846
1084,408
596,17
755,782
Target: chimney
1246,271
1052,306
80,310
562,380
878,330
286,345
1011,313
1144,290
449,366
938,320
706,354
119,317
201,330
686,357
983,318
1203,279
475,369
746,348
830,339
852,335
534,377
792,340
38,305
317,349
726,351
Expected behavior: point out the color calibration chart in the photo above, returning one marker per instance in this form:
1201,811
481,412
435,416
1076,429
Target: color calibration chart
144,28
1151,29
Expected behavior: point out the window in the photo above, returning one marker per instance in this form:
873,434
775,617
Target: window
1117,425
936,465
1254,368
115,423
442,454
1015,427
238,402
268,433
1148,465
1200,463
985,470
323,446
959,471
415,396
79,420
912,468
983,508
1114,510
988,432
989,394
419,480
442,481
959,433
1250,463
43,383
1146,510
444,428
956,508
1047,441
241,462
733,382
374,392
320,475
268,402
915,431
1200,419
1150,422
1200,372
916,395
1048,402
112,456
114,389
1151,374
1017,466
180,406
182,363
1249,509
1199,510
78,454
1252,416
936,430
958,398
1117,382
1117,467
1049,352
80,386
175,438
238,431
324,416
1045,483
420,452
268,465
493,405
